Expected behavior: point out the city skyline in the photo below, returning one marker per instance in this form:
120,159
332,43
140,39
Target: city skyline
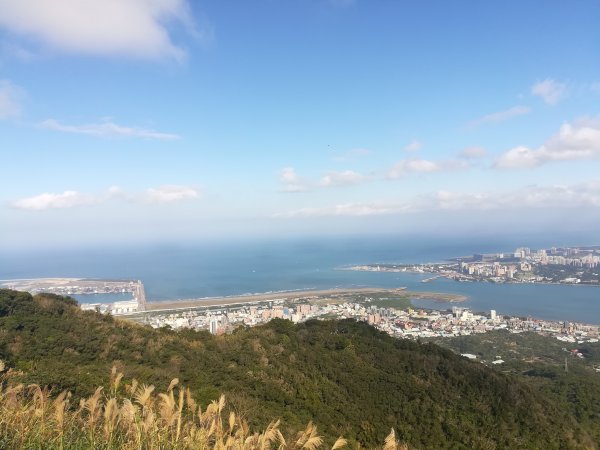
154,120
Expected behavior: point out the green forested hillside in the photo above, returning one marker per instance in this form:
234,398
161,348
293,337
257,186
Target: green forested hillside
539,361
347,377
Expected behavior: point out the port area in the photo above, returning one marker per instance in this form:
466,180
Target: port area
92,288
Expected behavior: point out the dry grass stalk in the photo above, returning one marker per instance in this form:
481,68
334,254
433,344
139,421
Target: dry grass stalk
137,419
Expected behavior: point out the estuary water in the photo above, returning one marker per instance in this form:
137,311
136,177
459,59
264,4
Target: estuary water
193,271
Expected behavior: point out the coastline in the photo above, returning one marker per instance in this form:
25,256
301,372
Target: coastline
452,277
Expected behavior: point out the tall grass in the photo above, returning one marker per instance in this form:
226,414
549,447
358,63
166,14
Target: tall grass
133,416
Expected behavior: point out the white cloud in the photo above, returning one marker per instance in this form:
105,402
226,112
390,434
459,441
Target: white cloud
345,178
170,194
500,116
583,195
10,99
291,181
116,192
520,157
473,152
68,199
557,196
408,166
135,28
72,199
107,129
550,91
424,166
577,141
413,146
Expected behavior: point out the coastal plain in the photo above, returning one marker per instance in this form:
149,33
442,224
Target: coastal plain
321,294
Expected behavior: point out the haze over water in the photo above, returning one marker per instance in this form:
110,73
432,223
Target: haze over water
194,271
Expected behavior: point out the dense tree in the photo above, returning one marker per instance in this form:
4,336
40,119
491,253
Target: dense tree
348,377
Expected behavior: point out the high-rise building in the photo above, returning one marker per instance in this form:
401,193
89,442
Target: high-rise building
213,325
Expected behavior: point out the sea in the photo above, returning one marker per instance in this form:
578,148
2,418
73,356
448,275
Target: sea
180,271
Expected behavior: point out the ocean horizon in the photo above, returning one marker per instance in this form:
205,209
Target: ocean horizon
178,271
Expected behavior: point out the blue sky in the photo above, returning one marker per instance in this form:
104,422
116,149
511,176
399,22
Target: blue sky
151,120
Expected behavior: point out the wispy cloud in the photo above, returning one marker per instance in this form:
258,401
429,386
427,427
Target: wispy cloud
170,193
344,178
73,199
555,196
550,91
292,182
107,129
407,167
413,146
135,28
583,195
577,141
500,116
11,50
352,154
473,153
345,209
10,99
67,199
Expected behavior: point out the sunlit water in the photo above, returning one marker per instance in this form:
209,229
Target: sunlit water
177,272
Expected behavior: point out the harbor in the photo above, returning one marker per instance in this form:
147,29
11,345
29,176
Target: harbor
88,291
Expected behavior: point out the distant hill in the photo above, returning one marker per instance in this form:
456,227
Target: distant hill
347,377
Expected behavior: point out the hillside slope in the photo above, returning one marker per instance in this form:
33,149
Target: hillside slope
347,377
539,361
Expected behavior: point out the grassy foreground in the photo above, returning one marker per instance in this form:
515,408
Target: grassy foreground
132,416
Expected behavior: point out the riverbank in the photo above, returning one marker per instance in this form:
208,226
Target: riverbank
439,270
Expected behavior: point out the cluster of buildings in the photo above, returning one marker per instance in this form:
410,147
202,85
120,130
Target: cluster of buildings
493,270
572,256
220,320
408,324
556,265
118,308
521,265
